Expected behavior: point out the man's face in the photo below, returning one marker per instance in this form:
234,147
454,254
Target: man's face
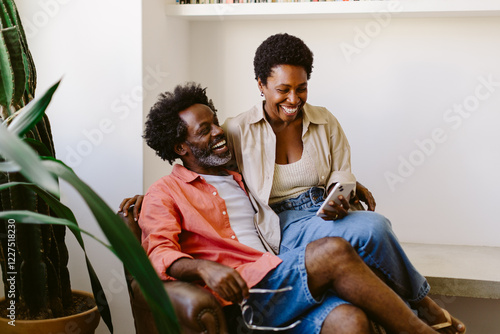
205,138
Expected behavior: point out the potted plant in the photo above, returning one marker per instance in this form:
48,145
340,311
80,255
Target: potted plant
33,220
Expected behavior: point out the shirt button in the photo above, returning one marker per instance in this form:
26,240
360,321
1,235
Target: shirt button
214,193
233,237
224,213
322,177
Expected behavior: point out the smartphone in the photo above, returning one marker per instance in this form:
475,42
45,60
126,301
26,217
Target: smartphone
343,189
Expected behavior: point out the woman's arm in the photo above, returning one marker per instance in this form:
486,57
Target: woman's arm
128,202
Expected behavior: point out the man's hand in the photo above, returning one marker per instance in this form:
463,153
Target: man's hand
135,201
364,195
224,280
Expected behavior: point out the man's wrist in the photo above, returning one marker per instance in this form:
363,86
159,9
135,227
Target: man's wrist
185,269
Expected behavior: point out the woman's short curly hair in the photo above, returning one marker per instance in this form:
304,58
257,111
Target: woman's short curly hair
281,49
164,128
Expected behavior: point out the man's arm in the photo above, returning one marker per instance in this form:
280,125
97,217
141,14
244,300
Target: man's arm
225,281
363,194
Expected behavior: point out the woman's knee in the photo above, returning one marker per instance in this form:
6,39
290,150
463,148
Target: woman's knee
378,221
346,318
372,226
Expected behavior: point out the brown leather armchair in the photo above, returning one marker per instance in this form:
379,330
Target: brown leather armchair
197,309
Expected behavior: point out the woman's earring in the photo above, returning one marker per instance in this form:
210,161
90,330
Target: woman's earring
262,93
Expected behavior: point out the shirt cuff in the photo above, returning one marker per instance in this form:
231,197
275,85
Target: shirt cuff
161,262
340,176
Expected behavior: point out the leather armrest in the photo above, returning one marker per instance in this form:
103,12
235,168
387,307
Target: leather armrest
196,308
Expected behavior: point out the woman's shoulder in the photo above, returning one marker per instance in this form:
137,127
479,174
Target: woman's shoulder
318,114
247,117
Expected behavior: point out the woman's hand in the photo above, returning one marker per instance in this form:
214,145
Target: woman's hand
136,202
364,195
336,211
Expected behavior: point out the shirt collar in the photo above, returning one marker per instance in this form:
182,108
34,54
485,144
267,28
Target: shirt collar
257,113
189,176
313,115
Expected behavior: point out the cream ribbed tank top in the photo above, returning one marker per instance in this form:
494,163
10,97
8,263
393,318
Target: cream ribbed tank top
290,180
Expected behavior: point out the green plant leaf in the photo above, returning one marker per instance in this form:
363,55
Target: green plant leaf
12,40
9,167
16,19
14,149
32,113
5,16
30,217
10,10
63,211
6,76
127,248
38,146
10,18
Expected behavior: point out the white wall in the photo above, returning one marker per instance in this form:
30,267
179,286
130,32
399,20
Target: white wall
165,50
397,84
96,116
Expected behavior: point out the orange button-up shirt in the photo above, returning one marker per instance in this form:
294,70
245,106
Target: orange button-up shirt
183,216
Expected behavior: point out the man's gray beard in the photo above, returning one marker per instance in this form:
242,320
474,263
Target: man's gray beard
206,158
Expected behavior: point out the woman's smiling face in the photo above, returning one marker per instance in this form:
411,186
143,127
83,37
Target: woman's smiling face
285,93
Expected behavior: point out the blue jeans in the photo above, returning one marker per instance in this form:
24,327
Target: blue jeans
368,232
283,308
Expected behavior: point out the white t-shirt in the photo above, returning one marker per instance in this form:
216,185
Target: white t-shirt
239,209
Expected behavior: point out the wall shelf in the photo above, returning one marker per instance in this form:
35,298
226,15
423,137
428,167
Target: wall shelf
334,9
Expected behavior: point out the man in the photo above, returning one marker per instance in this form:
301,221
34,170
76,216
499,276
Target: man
197,225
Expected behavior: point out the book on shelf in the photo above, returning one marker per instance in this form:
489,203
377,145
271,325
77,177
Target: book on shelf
182,2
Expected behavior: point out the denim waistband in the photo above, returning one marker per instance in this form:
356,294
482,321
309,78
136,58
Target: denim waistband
308,198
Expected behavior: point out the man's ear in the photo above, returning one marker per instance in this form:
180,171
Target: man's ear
180,149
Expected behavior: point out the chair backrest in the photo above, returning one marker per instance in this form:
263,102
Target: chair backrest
143,318
131,223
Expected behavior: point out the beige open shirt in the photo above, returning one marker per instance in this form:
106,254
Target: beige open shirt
253,144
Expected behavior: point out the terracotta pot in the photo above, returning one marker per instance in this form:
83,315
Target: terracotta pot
81,323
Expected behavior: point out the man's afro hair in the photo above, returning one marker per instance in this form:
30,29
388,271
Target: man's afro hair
164,128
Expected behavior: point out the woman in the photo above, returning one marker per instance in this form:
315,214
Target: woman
291,153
